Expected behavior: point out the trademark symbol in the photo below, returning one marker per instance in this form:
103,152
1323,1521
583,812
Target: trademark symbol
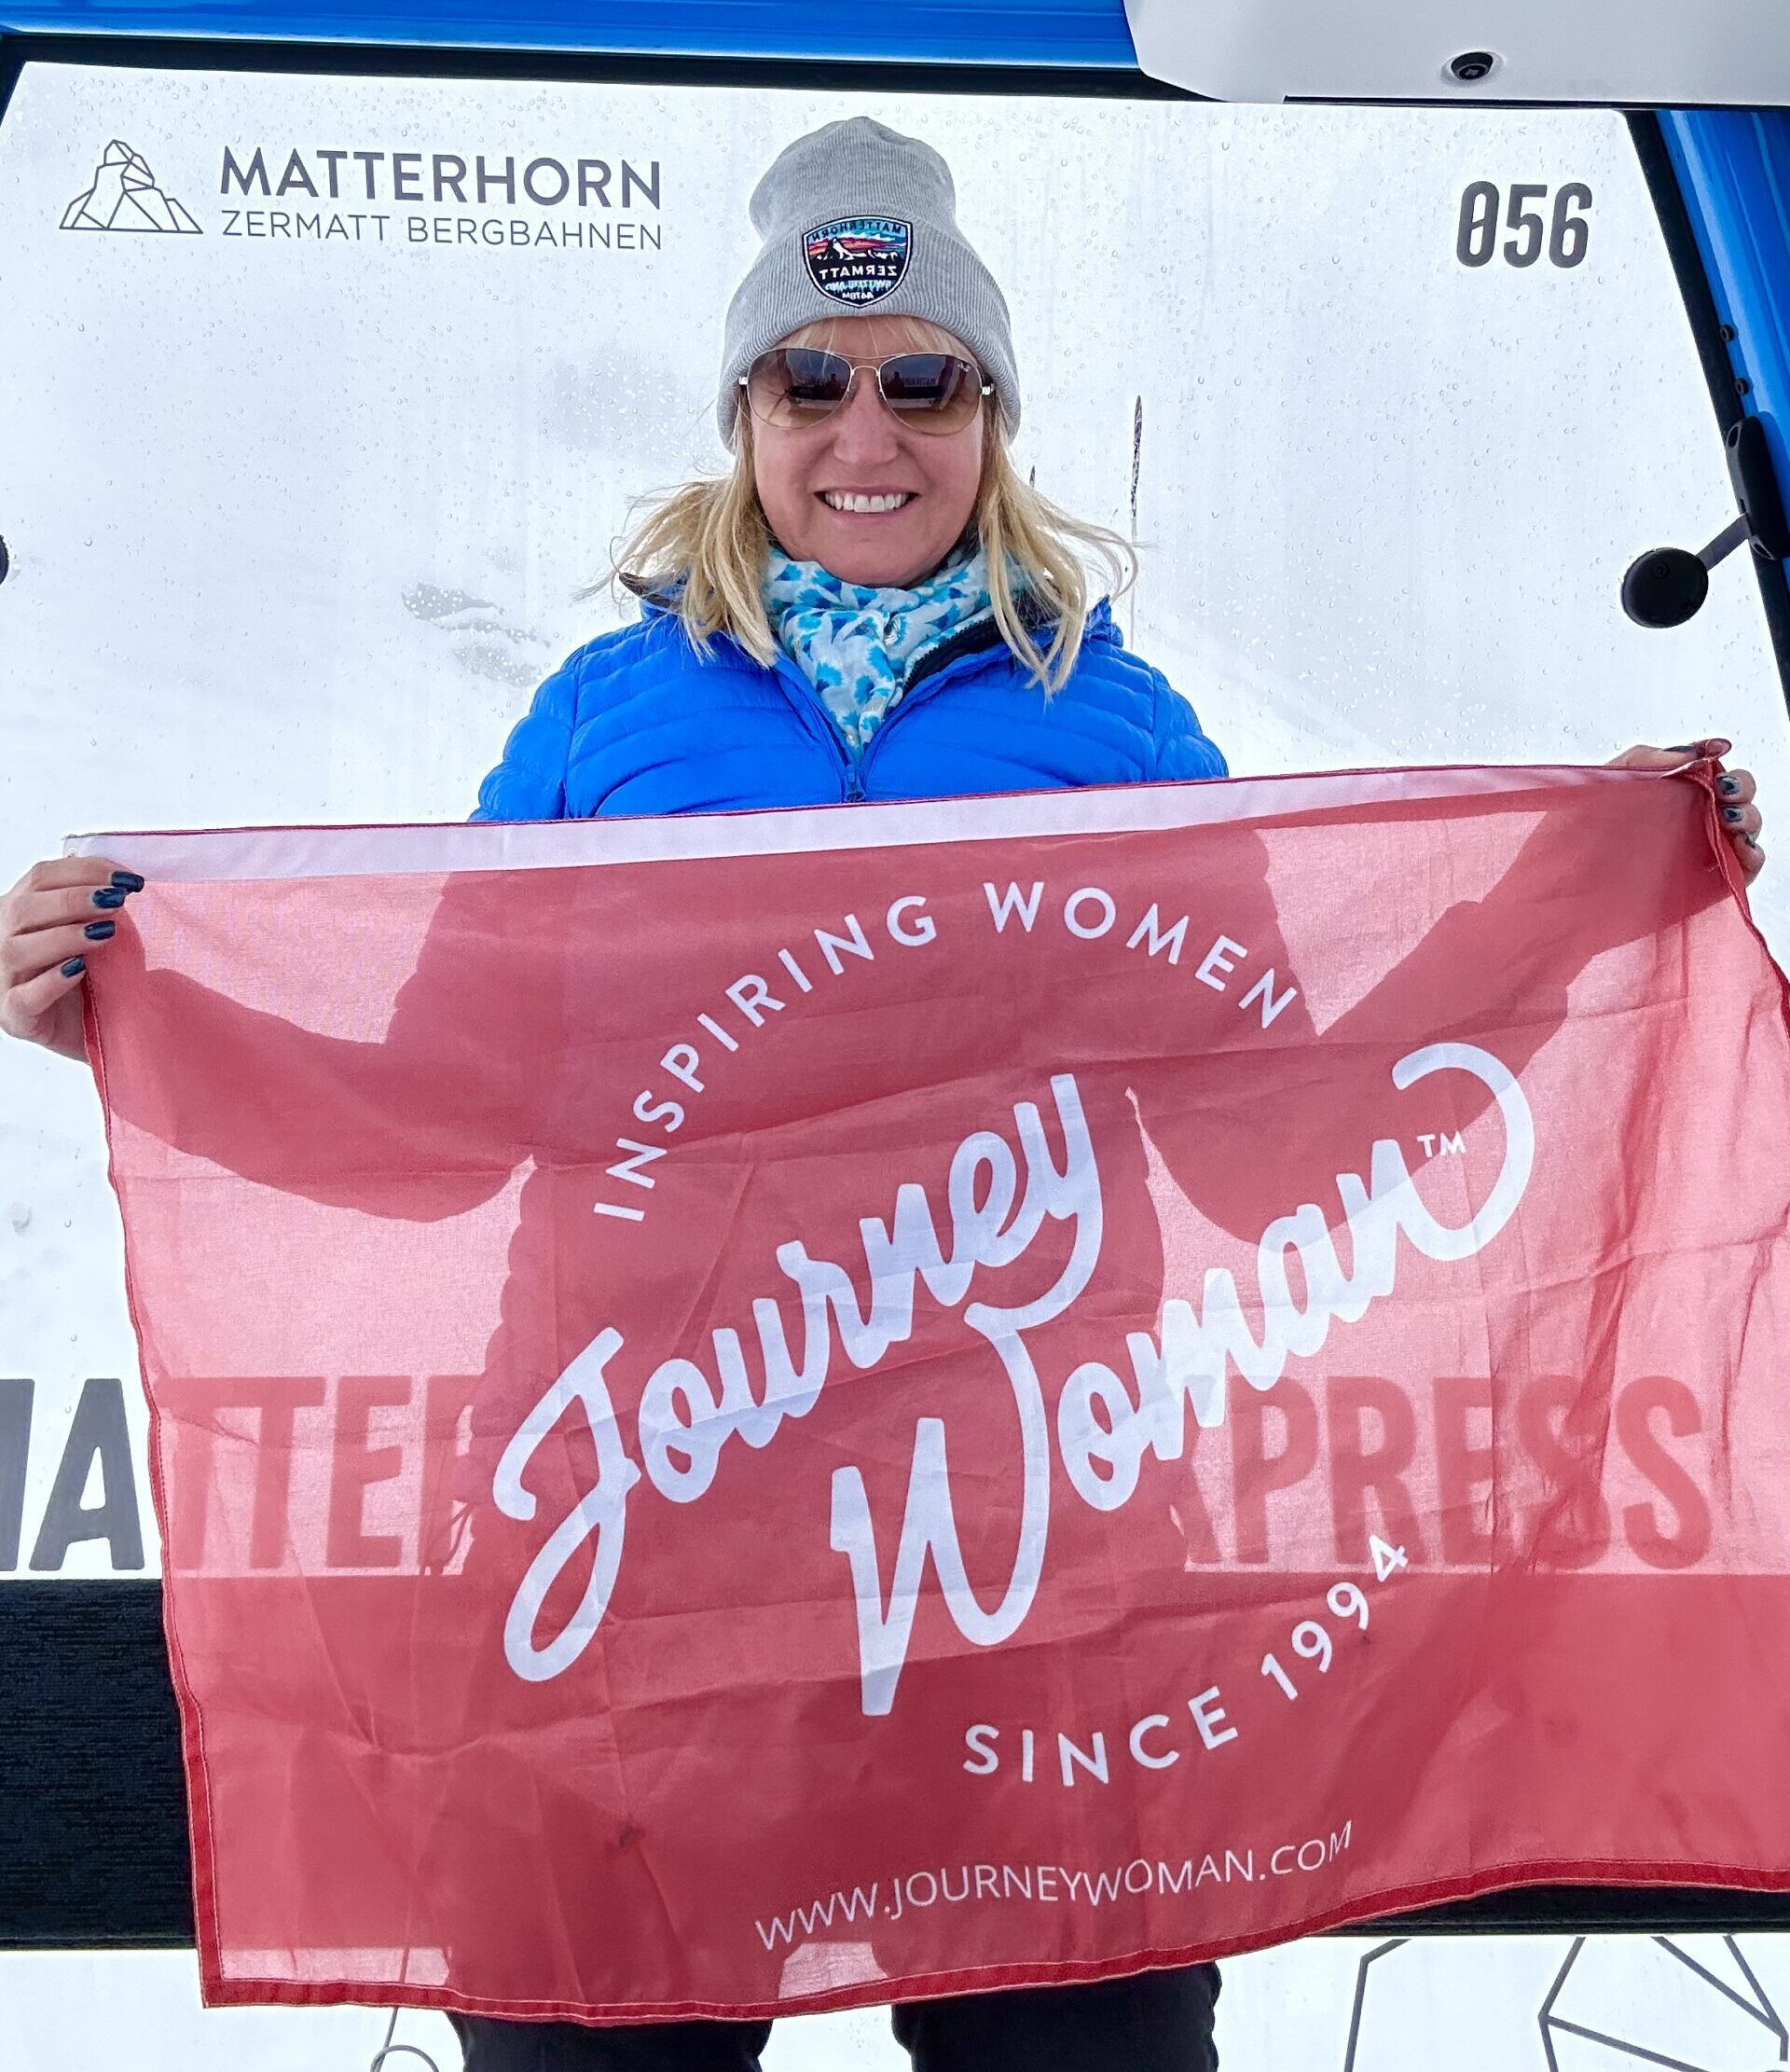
1442,1143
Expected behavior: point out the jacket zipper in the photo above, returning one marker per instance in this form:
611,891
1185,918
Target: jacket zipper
934,680
801,693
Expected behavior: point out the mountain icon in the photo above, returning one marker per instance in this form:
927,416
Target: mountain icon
124,197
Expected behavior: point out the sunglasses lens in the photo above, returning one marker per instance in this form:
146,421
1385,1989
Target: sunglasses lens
934,391
793,385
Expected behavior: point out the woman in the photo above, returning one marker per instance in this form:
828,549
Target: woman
871,457
871,605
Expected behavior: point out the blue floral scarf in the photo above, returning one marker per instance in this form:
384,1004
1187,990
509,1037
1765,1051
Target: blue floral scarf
858,645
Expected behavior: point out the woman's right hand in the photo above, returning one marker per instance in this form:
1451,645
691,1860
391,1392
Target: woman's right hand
59,914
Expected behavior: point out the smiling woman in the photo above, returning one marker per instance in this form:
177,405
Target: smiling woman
869,393
874,450
867,445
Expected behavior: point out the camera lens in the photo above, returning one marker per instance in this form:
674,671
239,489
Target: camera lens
1471,65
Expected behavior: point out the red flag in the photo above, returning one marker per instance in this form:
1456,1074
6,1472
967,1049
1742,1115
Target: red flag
764,1412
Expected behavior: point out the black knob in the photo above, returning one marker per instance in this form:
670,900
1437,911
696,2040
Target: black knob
1471,65
1665,587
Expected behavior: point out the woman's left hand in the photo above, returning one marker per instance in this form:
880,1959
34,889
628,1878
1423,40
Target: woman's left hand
1734,792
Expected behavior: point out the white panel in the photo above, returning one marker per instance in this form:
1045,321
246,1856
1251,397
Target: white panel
1636,53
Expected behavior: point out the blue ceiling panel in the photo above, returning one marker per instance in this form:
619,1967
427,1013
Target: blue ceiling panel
1079,33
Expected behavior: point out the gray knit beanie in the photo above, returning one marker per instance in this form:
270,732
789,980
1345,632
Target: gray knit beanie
856,218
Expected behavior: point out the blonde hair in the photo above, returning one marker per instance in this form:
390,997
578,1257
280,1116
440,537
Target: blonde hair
703,548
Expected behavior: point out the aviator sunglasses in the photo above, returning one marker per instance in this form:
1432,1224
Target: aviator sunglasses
795,385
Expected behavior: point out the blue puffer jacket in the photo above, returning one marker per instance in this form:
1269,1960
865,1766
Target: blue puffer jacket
637,721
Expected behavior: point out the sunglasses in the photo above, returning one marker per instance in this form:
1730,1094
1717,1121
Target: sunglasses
795,385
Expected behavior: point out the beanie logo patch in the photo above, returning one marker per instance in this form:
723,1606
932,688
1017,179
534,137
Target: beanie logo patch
860,258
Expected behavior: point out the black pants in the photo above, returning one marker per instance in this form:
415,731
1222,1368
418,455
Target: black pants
1157,2022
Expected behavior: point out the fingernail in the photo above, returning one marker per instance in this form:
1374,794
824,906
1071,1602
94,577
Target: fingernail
74,967
108,896
1731,814
1728,786
127,881
1715,746
1683,748
100,932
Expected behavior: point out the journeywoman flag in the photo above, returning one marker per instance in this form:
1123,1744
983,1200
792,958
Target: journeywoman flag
768,1412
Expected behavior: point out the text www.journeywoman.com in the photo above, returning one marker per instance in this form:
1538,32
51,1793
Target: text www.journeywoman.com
979,1883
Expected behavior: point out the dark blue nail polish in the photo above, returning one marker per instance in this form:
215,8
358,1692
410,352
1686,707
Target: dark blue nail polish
1683,748
108,896
74,967
127,881
1733,815
100,932
1729,787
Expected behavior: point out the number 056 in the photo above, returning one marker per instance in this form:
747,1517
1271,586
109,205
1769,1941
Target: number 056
1564,235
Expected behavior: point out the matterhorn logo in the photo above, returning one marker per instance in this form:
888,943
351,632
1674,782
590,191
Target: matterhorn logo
124,197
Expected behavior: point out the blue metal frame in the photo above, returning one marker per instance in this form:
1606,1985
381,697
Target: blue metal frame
936,31
1731,167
